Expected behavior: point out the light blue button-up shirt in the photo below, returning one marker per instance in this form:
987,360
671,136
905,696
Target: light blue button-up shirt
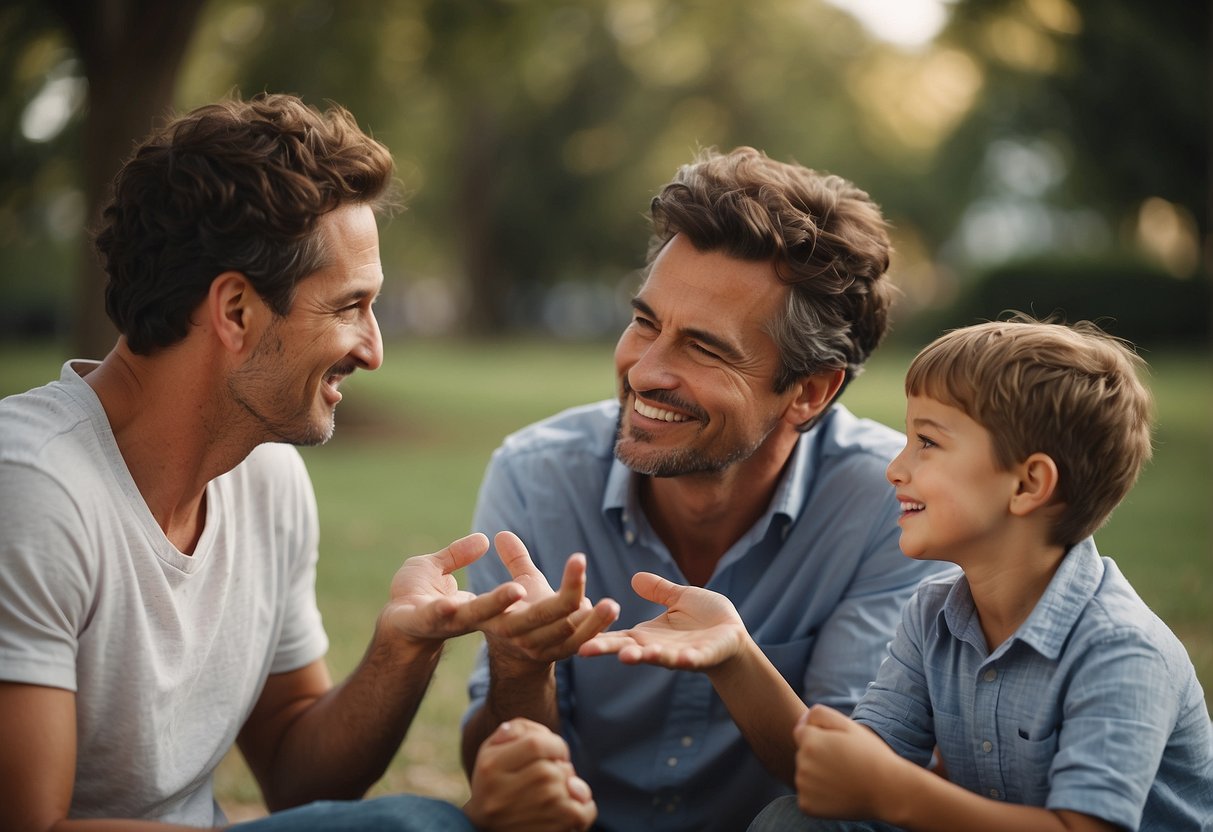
819,581
1092,705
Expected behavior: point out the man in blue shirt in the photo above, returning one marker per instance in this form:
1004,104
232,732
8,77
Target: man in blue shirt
725,463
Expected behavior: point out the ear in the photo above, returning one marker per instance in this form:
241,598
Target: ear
232,306
1036,486
813,394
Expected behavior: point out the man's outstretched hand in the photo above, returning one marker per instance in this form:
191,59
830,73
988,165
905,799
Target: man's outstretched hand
427,603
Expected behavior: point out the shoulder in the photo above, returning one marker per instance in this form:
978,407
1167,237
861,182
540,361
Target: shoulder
849,458
40,420
1116,614
845,436
586,431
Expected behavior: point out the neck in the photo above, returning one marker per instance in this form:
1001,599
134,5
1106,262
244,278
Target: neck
1007,588
159,408
700,516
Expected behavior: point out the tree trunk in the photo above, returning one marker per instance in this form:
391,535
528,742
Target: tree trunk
131,51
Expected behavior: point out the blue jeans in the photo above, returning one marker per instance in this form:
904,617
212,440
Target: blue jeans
396,813
783,815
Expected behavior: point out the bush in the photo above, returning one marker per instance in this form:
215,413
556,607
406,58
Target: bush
1131,300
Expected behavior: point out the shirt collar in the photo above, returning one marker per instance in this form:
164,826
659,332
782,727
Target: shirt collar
1068,593
619,497
1048,626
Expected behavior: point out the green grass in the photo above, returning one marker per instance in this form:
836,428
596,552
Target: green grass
401,474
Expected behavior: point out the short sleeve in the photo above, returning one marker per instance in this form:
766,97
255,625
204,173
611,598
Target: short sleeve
45,577
897,705
303,639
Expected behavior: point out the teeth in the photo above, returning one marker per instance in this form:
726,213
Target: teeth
908,506
656,413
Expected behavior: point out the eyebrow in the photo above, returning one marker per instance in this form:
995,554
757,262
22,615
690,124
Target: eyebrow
353,295
929,424
726,349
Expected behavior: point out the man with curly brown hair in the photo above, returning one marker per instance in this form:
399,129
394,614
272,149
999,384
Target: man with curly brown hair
725,462
158,542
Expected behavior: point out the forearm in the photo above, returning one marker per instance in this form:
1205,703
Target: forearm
119,826
341,744
516,690
750,678
919,800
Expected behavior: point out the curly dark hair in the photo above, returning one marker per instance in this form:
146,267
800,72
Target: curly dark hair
232,186
826,238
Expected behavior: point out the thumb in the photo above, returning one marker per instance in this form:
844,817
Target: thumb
461,552
655,588
822,716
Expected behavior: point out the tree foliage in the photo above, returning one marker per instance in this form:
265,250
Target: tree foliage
532,134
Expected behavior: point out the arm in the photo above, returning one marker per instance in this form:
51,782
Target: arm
844,770
525,642
306,740
523,780
38,764
701,630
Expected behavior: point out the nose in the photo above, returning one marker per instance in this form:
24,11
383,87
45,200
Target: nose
369,352
896,472
645,363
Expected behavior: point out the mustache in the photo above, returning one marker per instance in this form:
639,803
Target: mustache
342,369
668,398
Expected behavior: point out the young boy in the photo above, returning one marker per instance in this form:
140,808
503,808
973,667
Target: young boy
1052,695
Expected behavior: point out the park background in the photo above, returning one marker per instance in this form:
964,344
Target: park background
1042,155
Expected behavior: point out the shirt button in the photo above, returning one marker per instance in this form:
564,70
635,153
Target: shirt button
990,675
994,793
671,762
687,742
629,536
987,746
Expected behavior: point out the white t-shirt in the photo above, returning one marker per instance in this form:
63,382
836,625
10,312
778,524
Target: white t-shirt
167,653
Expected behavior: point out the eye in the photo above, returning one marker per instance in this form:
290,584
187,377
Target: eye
642,322
702,350
924,442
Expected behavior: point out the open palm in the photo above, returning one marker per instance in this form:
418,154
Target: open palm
699,629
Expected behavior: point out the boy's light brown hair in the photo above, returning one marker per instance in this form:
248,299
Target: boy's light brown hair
1069,391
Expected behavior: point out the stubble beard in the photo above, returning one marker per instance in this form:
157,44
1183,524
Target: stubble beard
261,391
675,462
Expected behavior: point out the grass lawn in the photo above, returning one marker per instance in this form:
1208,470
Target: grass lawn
401,474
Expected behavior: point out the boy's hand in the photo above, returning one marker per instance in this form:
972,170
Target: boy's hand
699,630
840,765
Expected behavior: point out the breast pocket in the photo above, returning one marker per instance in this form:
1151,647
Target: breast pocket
1033,750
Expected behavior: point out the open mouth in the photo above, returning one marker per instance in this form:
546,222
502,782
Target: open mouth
660,414
911,507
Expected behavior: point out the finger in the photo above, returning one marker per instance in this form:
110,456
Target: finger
823,716
515,557
461,552
475,612
569,632
579,790
605,644
572,582
656,588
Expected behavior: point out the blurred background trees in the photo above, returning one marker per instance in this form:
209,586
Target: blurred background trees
1032,145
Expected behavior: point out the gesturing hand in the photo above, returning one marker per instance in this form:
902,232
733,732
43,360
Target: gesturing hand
427,603
548,625
699,630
